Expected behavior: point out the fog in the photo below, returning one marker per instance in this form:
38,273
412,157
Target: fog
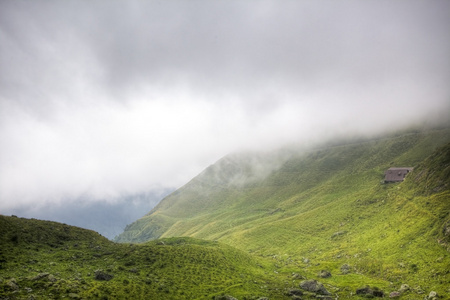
104,99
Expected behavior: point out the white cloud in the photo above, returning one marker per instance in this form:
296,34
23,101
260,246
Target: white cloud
117,98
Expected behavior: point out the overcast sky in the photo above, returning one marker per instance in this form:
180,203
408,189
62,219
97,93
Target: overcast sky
108,98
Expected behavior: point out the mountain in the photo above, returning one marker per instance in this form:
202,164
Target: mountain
106,217
325,208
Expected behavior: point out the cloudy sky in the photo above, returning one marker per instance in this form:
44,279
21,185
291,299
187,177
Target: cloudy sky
101,99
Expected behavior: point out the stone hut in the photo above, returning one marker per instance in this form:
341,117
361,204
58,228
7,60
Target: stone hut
396,174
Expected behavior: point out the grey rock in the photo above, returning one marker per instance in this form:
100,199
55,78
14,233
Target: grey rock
403,288
368,291
294,292
324,274
314,286
100,275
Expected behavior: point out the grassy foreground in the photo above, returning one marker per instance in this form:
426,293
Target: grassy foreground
48,260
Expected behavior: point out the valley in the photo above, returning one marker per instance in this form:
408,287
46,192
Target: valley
262,226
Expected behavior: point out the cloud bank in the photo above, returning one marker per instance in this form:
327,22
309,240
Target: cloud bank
111,98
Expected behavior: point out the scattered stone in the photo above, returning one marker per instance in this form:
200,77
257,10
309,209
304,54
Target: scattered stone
28,290
403,288
100,275
12,283
368,291
306,261
294,292
324,274
224,297
297,276
314,286
74,296
432,295
52,278
446,229
395,295
338,234
345,269
40,276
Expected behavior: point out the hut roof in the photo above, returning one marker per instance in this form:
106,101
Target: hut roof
396,174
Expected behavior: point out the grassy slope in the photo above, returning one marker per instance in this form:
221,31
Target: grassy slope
328,206
179,268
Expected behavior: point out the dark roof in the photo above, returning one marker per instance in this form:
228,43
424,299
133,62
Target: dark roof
396,174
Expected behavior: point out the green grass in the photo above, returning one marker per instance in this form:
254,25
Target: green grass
327,205
67,259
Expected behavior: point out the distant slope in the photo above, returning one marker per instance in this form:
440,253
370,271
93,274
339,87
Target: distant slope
325,208
258,186
49,260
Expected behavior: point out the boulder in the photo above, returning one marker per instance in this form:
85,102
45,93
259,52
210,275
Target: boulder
294,292
314,286
368,291
40,276
324,274
100,275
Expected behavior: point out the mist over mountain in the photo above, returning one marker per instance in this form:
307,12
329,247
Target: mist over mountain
109,98
105,217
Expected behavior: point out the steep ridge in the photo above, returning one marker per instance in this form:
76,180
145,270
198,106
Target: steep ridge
326,208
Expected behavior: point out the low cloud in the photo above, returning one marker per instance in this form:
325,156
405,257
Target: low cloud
114,98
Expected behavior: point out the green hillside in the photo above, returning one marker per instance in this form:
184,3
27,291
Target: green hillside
49,260
323,209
